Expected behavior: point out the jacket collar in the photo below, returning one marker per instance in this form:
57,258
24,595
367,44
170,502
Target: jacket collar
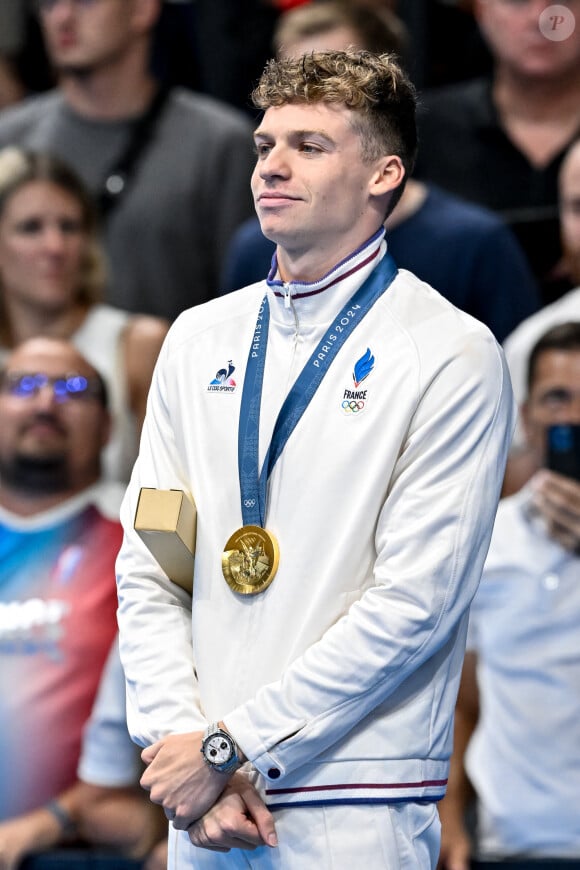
318,301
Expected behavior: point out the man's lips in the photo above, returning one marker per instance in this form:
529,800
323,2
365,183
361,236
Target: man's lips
271,198
44,426
64,40
53,273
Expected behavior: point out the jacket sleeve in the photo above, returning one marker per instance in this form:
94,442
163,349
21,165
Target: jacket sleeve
431,540
108,757
154,613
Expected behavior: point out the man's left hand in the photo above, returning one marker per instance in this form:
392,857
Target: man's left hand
178,778
557,499
238,820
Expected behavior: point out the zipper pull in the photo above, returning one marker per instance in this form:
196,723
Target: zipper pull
286,295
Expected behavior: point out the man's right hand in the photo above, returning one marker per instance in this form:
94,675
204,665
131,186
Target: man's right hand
238,820
455,852
557,499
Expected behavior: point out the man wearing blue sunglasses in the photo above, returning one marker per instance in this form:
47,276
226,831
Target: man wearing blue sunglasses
59,537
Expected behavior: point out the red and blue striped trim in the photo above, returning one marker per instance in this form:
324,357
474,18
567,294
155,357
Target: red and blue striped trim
310,796
426,783
324,283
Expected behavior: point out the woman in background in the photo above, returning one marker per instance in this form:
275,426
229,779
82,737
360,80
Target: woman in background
52,278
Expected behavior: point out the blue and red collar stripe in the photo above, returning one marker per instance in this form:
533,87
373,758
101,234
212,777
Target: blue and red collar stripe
331,278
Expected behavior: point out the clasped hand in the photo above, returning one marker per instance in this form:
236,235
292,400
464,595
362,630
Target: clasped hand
238,820
219,811
178,779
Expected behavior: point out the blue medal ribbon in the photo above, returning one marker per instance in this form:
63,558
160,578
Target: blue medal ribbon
253,484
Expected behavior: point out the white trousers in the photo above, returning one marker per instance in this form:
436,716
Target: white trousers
402,836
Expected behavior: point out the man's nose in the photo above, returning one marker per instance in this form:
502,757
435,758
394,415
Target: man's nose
54,240
274,164
46,397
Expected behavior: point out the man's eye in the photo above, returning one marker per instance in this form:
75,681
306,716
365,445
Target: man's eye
263,149
556,399
33,225
308,148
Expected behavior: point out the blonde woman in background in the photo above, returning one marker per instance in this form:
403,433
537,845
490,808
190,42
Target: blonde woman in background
52,278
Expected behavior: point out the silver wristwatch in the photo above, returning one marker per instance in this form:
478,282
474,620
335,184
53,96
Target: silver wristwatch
219,749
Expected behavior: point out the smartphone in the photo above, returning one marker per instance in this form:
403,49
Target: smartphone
564,449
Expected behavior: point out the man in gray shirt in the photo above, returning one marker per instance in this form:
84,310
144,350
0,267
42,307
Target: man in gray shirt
171,169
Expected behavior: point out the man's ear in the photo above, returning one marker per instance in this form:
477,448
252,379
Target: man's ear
146,13
480,13
388,175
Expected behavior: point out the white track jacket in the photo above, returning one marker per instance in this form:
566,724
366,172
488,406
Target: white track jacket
339,680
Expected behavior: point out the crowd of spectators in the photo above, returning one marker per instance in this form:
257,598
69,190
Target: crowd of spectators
125,160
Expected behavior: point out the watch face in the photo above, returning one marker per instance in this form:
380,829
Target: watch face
218,749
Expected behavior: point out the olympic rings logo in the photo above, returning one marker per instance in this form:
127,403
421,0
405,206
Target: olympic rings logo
351,406
249,502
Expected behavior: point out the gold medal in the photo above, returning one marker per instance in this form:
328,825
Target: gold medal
250,560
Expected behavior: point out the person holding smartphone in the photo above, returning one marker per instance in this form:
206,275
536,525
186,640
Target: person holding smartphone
516,740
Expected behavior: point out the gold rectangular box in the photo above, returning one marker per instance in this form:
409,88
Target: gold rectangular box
165,520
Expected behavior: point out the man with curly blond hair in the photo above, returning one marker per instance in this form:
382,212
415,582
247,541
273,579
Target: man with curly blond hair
296,708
